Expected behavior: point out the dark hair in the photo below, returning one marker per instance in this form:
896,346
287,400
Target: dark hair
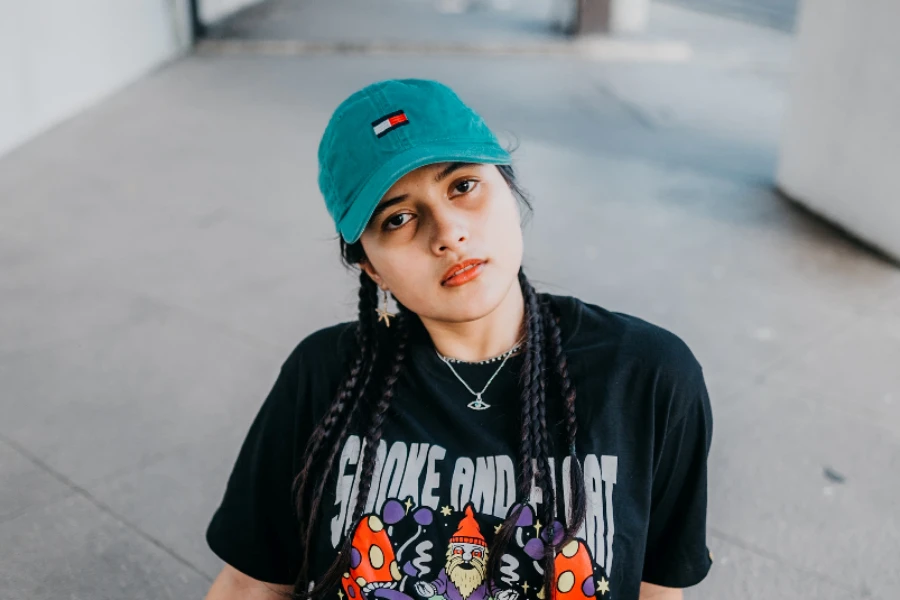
368,388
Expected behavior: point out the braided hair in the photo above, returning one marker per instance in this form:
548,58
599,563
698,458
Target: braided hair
367,390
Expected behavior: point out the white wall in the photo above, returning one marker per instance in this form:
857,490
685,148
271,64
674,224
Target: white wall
213,10
629,16
625,16
60,56
840,152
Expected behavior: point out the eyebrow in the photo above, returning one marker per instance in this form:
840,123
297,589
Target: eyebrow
386,205
397,199
450,168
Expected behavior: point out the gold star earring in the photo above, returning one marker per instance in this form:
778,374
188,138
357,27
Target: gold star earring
383,312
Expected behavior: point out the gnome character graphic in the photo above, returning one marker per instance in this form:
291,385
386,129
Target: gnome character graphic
463,576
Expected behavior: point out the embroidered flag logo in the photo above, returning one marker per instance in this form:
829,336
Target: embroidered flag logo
389,123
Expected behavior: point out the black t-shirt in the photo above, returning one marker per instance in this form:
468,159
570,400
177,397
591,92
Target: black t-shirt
445,478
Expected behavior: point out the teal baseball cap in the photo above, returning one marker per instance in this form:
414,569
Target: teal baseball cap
384,131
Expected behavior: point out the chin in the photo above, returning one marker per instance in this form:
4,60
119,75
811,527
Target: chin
466,314
476,302
470,302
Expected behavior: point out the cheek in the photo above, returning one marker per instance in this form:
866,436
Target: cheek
402,272
502,229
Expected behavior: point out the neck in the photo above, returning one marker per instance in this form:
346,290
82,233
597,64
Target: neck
484,338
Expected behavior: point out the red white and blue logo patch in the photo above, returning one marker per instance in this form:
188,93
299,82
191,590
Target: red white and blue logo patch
390,122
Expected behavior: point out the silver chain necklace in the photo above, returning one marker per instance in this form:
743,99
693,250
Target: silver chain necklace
478,403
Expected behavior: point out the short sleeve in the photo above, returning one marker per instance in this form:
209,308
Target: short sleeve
255,529
676,554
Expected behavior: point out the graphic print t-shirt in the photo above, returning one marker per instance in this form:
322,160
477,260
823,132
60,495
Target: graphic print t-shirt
445,475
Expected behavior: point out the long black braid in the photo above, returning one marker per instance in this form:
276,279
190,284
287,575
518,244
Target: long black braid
368,388
578,502
536,446
334,426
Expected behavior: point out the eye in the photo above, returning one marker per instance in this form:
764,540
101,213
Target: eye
465,186
396,221
477,554
457,551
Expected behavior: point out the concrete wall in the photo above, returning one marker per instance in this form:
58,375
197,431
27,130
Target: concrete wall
621,16
213,10
840,152
629,16
58,57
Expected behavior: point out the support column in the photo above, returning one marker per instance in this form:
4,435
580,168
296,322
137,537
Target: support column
611,16
840,148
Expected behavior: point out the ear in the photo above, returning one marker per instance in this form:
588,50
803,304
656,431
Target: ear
366,266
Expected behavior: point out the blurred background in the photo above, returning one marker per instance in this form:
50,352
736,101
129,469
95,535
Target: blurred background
727,169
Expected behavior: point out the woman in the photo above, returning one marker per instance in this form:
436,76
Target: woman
486,441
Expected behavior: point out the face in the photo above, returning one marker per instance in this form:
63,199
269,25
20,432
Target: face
446,241
466,566
467,552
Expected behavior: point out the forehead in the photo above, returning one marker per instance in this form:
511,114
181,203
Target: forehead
426,171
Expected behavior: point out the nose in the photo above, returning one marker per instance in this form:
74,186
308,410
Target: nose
450,233
467,555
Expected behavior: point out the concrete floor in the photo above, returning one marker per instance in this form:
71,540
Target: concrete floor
162,252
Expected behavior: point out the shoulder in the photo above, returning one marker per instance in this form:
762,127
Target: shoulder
626,347
311,372
325,348
591,328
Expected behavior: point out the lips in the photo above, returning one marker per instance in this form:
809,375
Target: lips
461,268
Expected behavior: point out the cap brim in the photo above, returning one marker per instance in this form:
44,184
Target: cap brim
354,222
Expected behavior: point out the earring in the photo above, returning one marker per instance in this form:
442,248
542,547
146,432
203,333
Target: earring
383,313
